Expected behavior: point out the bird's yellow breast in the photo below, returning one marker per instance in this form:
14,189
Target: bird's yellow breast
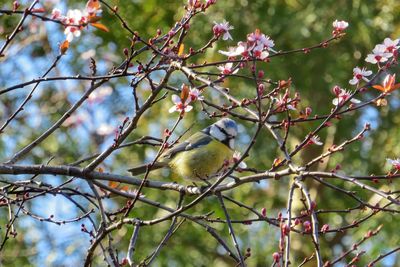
202,162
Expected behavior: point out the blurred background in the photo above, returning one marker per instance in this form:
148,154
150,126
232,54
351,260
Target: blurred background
292,24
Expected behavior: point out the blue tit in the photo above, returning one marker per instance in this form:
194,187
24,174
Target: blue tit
202,155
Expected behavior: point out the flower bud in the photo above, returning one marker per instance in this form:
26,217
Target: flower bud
264,212
337,90
285,229
276,256
313,205
325,228
307,226
308,111
261,88
126,51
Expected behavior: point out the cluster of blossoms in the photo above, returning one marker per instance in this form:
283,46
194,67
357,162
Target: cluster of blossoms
358,74
188,95
382,52
395,163
258,46
76,20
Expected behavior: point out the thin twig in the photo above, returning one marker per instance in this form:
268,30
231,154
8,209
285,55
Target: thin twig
132,244
314,222
231,231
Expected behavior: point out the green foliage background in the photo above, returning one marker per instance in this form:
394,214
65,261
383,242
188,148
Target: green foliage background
292,24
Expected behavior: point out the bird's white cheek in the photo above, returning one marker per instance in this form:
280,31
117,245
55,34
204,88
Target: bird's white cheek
216,133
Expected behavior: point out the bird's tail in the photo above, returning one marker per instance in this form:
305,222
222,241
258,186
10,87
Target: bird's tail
143,168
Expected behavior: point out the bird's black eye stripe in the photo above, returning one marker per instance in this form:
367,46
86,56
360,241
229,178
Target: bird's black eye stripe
224,132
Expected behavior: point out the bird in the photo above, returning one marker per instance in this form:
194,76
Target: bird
201,156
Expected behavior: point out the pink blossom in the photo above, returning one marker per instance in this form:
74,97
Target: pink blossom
391,45
315,139
360,74
223,29
179,106
259,53
340,25
395,163
227,69
241,49
342,95
194,94
260,44
75,19
257,38
56,14
379,55
72,32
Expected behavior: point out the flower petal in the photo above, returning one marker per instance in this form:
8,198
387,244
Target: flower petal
242,165
353,81
264,55
367,72
188,108
176,99
172,109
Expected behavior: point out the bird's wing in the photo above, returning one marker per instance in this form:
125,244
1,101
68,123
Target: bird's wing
197,140
143,168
